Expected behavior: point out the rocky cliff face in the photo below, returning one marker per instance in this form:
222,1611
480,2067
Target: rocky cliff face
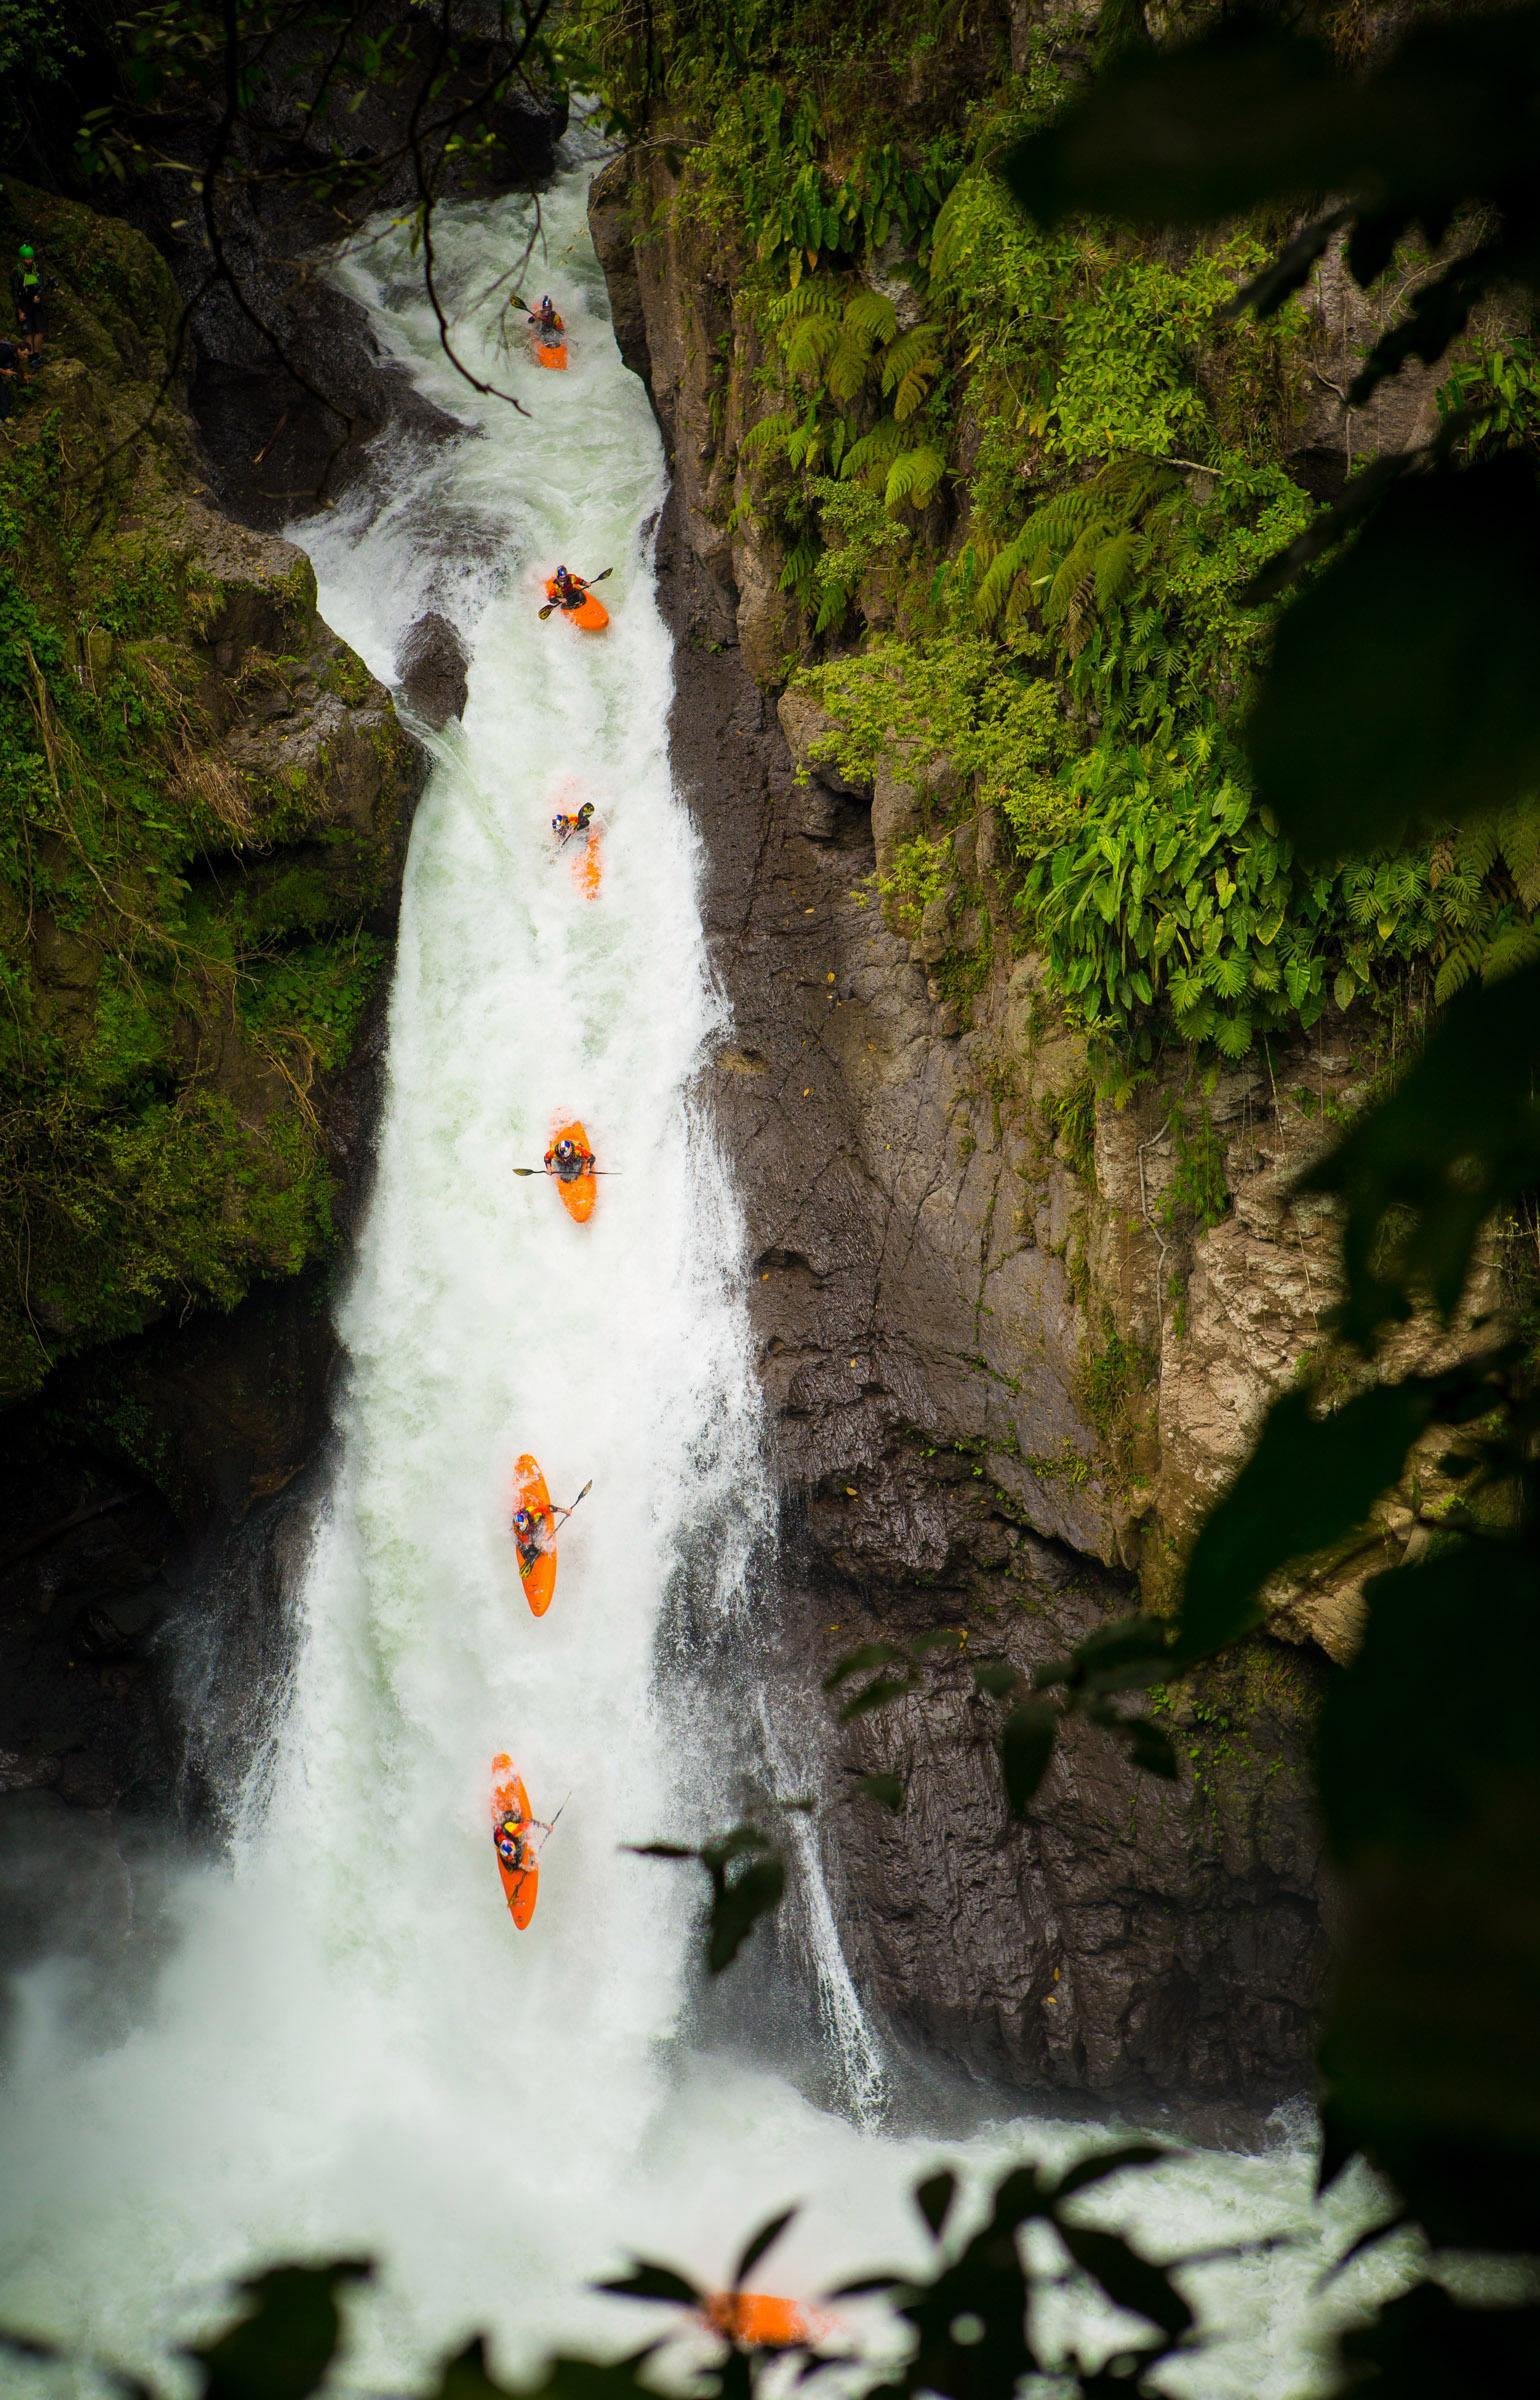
208,816
1014,1339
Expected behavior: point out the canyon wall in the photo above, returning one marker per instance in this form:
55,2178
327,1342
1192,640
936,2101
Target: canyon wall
197,946
1015,1336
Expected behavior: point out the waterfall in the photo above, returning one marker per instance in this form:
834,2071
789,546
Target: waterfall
348,2047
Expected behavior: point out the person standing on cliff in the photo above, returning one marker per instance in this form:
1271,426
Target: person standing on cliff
27,298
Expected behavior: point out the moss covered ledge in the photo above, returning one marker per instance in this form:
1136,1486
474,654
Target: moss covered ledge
203,814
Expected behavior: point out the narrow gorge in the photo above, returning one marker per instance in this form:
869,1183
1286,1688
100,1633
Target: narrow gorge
962,1037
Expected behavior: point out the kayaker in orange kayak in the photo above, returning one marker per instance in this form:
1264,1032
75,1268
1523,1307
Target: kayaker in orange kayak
568,1162
515,1847
529,1533
534,1535
763,2321
564,826
545,319
569,590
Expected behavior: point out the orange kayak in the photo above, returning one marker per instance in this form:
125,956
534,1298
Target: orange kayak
760,2321
521,1885
590,613
550,348
530,1492
578,1196
588,867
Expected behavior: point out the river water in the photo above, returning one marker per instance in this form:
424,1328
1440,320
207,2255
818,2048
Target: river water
347,2047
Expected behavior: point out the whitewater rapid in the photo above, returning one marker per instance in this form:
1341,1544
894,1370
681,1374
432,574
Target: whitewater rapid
348,2049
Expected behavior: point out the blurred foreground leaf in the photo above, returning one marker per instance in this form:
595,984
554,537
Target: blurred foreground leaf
1430,1789
748,1881
282,2345
1422,1172
1402,684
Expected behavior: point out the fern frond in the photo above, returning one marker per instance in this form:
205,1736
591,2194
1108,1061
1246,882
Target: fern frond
769,434
999,577
1476,848
1457,970
910,366
1518,827
1075,569
871,315
797,572
913,477
831,608
875,450
1517,946
814,296
1115,563
812,343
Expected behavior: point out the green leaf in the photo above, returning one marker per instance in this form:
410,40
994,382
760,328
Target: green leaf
739,1900
1186,136
1308,1481
934,2197
1430,1796
1128,2280
1437,607
860,1661
755,2249
466,2376
1427,2344
881,1692
887,1790
1026,1747
1423,1171
282,2345
1150,1748
1098,2165
650,2281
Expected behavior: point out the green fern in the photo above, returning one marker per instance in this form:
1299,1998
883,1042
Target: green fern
811,344
771,433
814,296
910,366
1516,946
1080,554
871,315
874,453
914,477
797,573
1518,828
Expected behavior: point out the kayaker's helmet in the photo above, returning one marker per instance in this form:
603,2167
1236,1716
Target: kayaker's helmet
26,251
561,574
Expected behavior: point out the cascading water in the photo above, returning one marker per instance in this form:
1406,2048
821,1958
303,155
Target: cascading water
349,2048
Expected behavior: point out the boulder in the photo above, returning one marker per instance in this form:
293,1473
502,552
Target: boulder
431,670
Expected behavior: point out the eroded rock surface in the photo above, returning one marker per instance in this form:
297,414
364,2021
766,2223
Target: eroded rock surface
926,1304
431,669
